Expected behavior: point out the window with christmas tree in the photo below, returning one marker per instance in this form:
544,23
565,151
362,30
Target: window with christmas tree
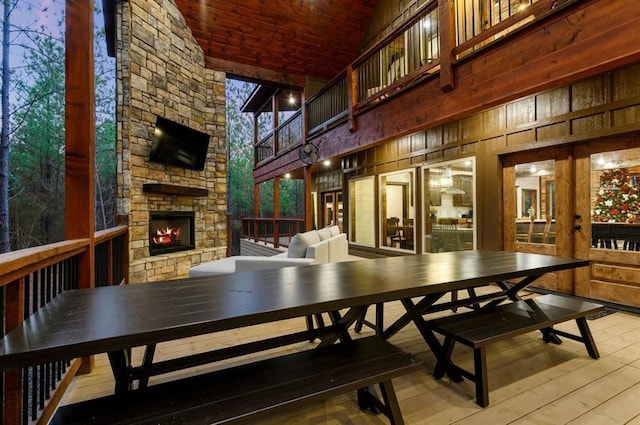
617,199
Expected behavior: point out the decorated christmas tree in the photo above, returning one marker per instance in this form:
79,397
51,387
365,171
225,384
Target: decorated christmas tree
617,200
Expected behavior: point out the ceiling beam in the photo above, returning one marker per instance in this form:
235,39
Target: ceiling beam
253,73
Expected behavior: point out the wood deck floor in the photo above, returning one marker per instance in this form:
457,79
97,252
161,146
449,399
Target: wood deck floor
529,382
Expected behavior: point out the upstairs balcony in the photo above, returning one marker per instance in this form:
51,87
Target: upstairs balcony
438,66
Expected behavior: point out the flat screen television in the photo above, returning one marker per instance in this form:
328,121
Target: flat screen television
178,145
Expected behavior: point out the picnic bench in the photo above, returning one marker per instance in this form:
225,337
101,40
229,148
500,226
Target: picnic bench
246,393
479,328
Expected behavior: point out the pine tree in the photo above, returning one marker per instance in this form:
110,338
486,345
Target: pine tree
617,200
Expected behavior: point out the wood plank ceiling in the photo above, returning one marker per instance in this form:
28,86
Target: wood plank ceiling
316,38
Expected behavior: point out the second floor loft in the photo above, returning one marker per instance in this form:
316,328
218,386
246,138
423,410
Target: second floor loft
448,59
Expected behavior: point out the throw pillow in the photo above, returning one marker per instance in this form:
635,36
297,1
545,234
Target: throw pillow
300,242
324,233
335,230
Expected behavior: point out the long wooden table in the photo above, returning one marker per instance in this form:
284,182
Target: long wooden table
115,319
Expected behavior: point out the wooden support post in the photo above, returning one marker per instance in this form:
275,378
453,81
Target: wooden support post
308,187
447,17
14,316
352,97
79,137
276,123
256,210
276,212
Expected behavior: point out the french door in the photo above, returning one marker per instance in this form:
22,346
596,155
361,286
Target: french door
579,201
538,208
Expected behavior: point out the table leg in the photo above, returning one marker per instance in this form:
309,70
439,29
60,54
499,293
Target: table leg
341,324
412,312
121,367
148,361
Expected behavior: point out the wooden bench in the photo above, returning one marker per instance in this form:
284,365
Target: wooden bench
246,393
478,329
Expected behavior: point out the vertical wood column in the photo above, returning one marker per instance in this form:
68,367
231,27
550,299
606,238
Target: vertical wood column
79,136
308,215
256,211
352,97
276,212
447,18
12,382
274,108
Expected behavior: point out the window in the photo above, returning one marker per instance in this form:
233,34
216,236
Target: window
615,200
362,211
397,210
449,200
535,202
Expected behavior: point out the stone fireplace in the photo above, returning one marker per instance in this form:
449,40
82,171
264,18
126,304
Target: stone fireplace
162,73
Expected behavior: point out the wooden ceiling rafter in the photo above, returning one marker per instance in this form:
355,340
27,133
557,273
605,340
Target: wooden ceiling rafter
295,38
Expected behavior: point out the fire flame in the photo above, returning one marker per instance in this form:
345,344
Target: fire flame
167,235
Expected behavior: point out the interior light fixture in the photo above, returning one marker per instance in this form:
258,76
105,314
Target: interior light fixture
292,100
523,5
327,163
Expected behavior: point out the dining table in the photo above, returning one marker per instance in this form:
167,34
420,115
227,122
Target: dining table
115,319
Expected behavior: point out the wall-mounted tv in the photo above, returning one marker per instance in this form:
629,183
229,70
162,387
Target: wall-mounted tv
178,145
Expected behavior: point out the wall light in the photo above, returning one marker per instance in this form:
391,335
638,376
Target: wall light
287,176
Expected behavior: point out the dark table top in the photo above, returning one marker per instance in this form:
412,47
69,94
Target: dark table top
92,321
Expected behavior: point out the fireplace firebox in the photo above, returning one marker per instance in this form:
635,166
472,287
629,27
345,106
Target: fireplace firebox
171,231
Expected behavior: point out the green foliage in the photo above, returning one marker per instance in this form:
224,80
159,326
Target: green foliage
240,148
292,198
36,188
37,142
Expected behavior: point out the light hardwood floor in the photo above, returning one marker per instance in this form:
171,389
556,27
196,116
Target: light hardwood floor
530,382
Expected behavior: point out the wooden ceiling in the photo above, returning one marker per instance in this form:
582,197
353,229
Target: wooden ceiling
278,40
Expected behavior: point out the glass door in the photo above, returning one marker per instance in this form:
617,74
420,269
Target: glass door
538,208
583,202
608,203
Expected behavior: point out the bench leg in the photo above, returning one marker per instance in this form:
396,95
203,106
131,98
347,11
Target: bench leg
391,403
549,335
368,400
587,338
480,367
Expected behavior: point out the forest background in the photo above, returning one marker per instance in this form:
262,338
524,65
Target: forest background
32,138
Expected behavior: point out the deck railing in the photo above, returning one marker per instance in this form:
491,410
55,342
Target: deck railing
404,54
289,133
264,149
29,279
275,231
328,105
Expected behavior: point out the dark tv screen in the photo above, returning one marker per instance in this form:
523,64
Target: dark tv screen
178,145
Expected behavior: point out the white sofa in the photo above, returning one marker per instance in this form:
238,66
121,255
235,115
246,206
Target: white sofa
326,245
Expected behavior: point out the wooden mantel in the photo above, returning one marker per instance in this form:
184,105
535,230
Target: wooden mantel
169,189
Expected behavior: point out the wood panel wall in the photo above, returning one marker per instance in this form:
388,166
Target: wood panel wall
602,106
